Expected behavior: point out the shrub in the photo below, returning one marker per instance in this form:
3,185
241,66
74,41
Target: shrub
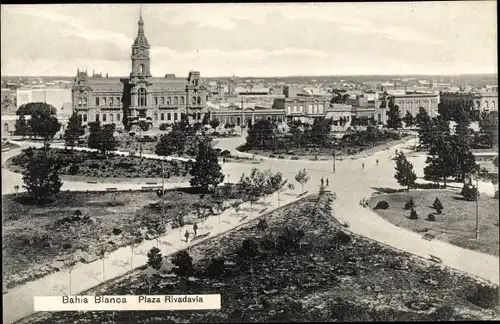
216,268
154,258
267,242
431,217
343,237
438,210
437,204
248,249
382,205
470,193
163,126
183,263
73,169
409,204
444,313
117,231
413,214
486,296
289,239
225,153
262,224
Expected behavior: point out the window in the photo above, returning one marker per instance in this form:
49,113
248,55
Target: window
280,119
97,101
103,117
117,117
85,117
142,97
175,116
310,108
492,105
347,118
194,101
156,101
268,117
111,101
112,117
199,100
301,108
162,116
169,116
96,117
117,101
168,101
182,100
85,102
198,116
141,69
155,116
175,101
104,101
289,108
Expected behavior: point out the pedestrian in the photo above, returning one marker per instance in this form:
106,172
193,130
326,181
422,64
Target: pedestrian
186,235
363,165
327,182
195,228
223,160
322,182
377,162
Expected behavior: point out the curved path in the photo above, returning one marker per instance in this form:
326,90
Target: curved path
350,182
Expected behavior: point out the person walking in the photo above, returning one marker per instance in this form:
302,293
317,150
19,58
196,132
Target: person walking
186,235
195,228
327,182
363,165
377,162
322,182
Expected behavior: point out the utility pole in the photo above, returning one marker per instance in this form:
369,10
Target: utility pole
334,155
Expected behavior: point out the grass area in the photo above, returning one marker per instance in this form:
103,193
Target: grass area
455,225
312,153
328,275
35,242
94,165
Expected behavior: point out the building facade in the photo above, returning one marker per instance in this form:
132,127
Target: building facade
140,97
56,97
408,101
242,117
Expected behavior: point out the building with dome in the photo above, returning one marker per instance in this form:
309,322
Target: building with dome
140,97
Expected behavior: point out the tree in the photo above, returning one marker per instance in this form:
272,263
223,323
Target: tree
372,134
173,142
302,177
408,119
74,129
43,125
214,123
320,130
405,175
184,125
206,171
440,161
393,118
41,177
464,161
40,108
102,137
154,258
424,123
487,129
262,135
144,125
22,128
206,119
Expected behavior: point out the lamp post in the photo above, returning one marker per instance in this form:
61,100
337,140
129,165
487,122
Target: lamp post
334,154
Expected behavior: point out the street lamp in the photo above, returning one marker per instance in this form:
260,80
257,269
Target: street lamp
334,154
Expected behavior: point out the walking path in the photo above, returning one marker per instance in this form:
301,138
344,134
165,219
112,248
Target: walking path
350,182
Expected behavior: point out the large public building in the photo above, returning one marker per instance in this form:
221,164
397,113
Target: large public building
140,97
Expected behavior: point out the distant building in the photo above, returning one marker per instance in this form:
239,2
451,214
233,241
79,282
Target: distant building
139,97
56,97
242,117
412,101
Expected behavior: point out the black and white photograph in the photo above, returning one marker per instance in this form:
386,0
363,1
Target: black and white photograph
250,162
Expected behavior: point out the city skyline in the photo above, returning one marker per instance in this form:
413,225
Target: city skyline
260,40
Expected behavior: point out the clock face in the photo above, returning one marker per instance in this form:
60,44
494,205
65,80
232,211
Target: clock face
141,52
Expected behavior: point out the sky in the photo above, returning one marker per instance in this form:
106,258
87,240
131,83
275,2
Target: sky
253,39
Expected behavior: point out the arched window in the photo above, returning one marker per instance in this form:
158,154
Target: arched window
199,100
96,117
182,100
169,100
486,104
194,100
103,117
492,105
142,97
155,116
141,69
112,117
175,101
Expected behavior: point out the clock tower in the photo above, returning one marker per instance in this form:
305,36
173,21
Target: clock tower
140,54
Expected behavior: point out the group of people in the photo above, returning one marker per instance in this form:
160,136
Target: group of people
195,231
323,182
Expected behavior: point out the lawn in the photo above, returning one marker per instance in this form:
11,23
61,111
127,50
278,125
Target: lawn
38,240
313,152
327,275
92,165
456,224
